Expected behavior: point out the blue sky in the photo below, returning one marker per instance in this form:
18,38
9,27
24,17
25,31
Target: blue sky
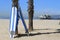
51,7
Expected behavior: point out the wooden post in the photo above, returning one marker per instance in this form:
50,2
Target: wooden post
15,4
30,14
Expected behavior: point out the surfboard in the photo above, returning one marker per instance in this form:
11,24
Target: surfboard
15,15
22,19
13,22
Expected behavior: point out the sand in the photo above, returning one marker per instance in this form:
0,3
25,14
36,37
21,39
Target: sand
43,30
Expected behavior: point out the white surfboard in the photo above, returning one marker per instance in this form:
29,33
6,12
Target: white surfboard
13,22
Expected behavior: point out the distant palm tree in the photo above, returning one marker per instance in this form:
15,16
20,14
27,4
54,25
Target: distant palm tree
30,14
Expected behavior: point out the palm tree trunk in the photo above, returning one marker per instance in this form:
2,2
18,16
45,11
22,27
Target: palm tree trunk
30,14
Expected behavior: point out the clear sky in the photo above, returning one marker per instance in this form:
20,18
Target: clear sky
51,7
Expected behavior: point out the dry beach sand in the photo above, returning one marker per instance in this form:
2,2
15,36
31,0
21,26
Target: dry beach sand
43,30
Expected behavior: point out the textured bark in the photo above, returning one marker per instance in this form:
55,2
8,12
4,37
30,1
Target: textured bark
15,3
30,14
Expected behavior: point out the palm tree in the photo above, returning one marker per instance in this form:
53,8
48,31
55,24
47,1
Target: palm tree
30,14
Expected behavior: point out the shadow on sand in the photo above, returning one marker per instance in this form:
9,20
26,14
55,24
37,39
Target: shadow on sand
38,33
